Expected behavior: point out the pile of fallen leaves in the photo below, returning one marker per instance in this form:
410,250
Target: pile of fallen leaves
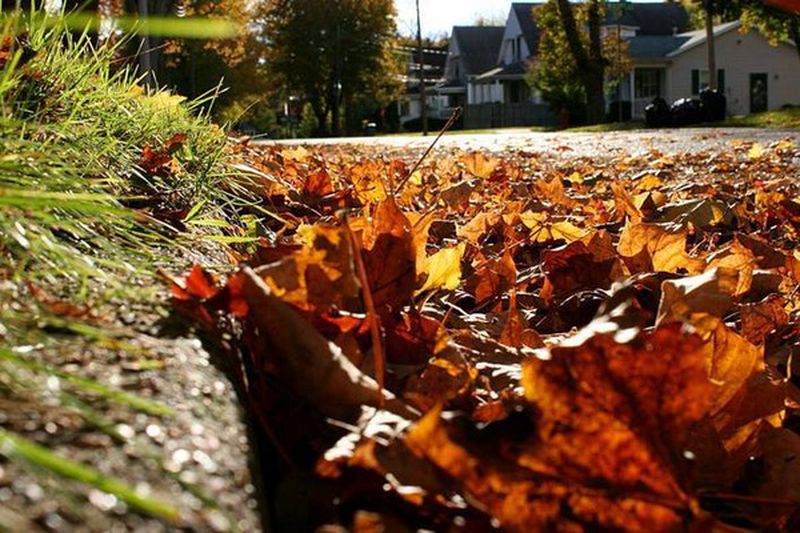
524,342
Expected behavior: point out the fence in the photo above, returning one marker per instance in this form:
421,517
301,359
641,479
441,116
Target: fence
498,115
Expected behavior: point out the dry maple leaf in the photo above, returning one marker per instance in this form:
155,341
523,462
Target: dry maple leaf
590,263
312,366
760,318
479,165
711,292
615,419
317,275
389,256
655,247
492,277
554,192
318,184
443,269
478,226
544,229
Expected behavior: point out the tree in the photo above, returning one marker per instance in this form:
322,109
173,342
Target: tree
332,52
775,24
574,65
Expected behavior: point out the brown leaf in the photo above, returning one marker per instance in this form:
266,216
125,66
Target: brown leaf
479,165
621,413
711,292
310,365
492,277
318,275
389,256
590,263
318,184
655,247
760,318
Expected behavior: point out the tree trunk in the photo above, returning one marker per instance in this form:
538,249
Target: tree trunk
421,64
321,114
335,108
336,89
595,84
708,5
591,64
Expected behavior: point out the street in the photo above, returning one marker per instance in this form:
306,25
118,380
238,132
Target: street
635,142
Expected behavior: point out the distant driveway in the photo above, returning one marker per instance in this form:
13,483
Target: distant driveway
635,142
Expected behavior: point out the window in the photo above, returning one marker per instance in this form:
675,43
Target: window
647,83
700,80
518,56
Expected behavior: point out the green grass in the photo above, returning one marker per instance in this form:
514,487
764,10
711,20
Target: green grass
608,126
80,220
28,452
783,119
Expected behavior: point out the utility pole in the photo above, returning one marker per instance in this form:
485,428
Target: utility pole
421,64
712,58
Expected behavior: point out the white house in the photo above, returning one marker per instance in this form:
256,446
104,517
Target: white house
505,81
471,51
753,75
409,106
669,62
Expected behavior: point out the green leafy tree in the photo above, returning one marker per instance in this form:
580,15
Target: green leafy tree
776,25
575,65
335,53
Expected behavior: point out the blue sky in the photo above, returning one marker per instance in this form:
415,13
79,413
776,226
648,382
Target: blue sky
438,16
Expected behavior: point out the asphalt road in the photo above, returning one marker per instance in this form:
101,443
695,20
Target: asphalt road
577,144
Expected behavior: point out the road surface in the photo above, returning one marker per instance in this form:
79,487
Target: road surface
634,142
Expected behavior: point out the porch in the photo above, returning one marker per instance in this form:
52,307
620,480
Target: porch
639,88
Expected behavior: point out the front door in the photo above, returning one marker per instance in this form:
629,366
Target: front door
758,93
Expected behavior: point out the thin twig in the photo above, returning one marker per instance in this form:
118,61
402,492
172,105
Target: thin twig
745,498
372,316
447,126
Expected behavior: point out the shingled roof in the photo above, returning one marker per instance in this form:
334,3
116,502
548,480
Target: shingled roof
651,19
524,13
655,46
478,46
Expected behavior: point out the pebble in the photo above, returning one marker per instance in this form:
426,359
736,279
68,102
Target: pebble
102,500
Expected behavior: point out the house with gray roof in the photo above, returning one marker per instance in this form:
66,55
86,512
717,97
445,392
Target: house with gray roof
754,75
472,50
669,62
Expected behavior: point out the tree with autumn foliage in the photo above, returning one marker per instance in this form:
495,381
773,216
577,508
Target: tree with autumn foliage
575,63
775,24
335,54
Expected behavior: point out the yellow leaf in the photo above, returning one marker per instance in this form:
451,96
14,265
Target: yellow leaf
542,230
479,165
296,154
648,183
444,269
755,151
575,177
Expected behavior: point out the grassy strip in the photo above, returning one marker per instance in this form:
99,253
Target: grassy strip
90,386
783,119
79,219
25,451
